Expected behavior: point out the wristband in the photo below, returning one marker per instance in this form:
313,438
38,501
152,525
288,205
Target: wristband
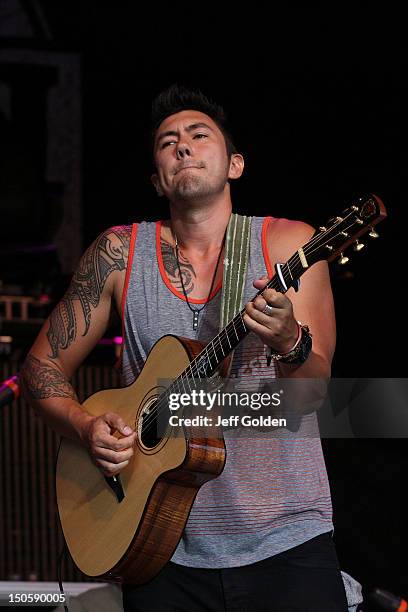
300,350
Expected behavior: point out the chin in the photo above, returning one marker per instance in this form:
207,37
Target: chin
191,188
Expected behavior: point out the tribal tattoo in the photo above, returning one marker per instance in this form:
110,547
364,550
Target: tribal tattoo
171,267
107,254
42,381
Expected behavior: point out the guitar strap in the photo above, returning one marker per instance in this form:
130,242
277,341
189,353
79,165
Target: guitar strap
235,266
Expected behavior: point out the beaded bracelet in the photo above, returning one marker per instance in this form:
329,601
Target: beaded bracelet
293,355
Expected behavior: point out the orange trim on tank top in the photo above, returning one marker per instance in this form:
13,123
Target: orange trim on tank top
125,287
269,268
166,278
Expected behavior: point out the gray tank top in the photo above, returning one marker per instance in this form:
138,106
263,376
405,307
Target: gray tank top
273,493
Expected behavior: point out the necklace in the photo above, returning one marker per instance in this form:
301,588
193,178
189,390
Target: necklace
196,311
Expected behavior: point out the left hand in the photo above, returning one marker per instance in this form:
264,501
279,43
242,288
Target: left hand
279,329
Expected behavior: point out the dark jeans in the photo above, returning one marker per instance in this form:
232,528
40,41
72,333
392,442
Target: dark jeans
305,578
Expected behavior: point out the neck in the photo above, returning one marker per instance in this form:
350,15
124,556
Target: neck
200,229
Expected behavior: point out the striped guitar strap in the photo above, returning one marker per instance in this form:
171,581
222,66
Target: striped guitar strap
235,266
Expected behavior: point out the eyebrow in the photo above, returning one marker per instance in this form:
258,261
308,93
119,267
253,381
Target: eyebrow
189,128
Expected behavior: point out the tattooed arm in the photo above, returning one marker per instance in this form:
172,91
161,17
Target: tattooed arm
70,333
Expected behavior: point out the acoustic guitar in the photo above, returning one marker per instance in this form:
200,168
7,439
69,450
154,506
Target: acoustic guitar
126,528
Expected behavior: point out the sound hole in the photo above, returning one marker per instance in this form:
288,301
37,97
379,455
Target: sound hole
148,426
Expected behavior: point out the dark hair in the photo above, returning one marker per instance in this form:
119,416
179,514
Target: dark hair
177,98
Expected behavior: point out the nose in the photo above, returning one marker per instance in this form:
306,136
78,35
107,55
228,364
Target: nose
183,150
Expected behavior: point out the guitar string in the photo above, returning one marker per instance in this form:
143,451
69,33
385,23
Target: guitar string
225,332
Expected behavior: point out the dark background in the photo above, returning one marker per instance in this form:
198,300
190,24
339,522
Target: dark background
317,103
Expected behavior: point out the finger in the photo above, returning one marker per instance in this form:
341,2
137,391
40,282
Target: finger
117,423
264,333
259,283
272,299
259,303
256,311
276,299
110,469
273,331
282,329
102,434
106,440
111,456
270,321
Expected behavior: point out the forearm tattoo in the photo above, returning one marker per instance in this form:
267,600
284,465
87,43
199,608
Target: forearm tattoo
108,253
41,381
171,267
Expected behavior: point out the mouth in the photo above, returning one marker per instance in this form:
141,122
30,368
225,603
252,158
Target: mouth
187,168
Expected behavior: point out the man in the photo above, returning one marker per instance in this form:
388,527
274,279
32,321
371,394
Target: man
259,535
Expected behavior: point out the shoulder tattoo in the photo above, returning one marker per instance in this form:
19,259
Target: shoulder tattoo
109,253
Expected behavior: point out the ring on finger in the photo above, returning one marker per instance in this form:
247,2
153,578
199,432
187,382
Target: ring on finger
268,310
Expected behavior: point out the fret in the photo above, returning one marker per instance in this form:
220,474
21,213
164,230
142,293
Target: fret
288,269
175,386
213,360
216,343
230,337
220,343
295,268
233,325
241,321
220,352
203,366
212,357
287,276
208,355
217,355
184,375
191,371
224,343
273,284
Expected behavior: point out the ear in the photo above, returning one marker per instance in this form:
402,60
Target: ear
156,183
236,166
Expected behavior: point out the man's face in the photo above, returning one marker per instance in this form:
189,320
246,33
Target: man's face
190,156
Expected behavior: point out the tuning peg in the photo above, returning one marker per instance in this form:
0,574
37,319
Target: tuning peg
358,246
329,247
345,234
373,233
322,228
343,259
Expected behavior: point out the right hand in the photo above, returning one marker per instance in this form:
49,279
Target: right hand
111,454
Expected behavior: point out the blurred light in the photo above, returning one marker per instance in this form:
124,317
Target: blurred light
109,341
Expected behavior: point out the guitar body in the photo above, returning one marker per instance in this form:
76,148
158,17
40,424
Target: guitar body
133,539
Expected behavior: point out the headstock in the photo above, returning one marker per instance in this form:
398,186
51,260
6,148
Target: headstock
340,232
